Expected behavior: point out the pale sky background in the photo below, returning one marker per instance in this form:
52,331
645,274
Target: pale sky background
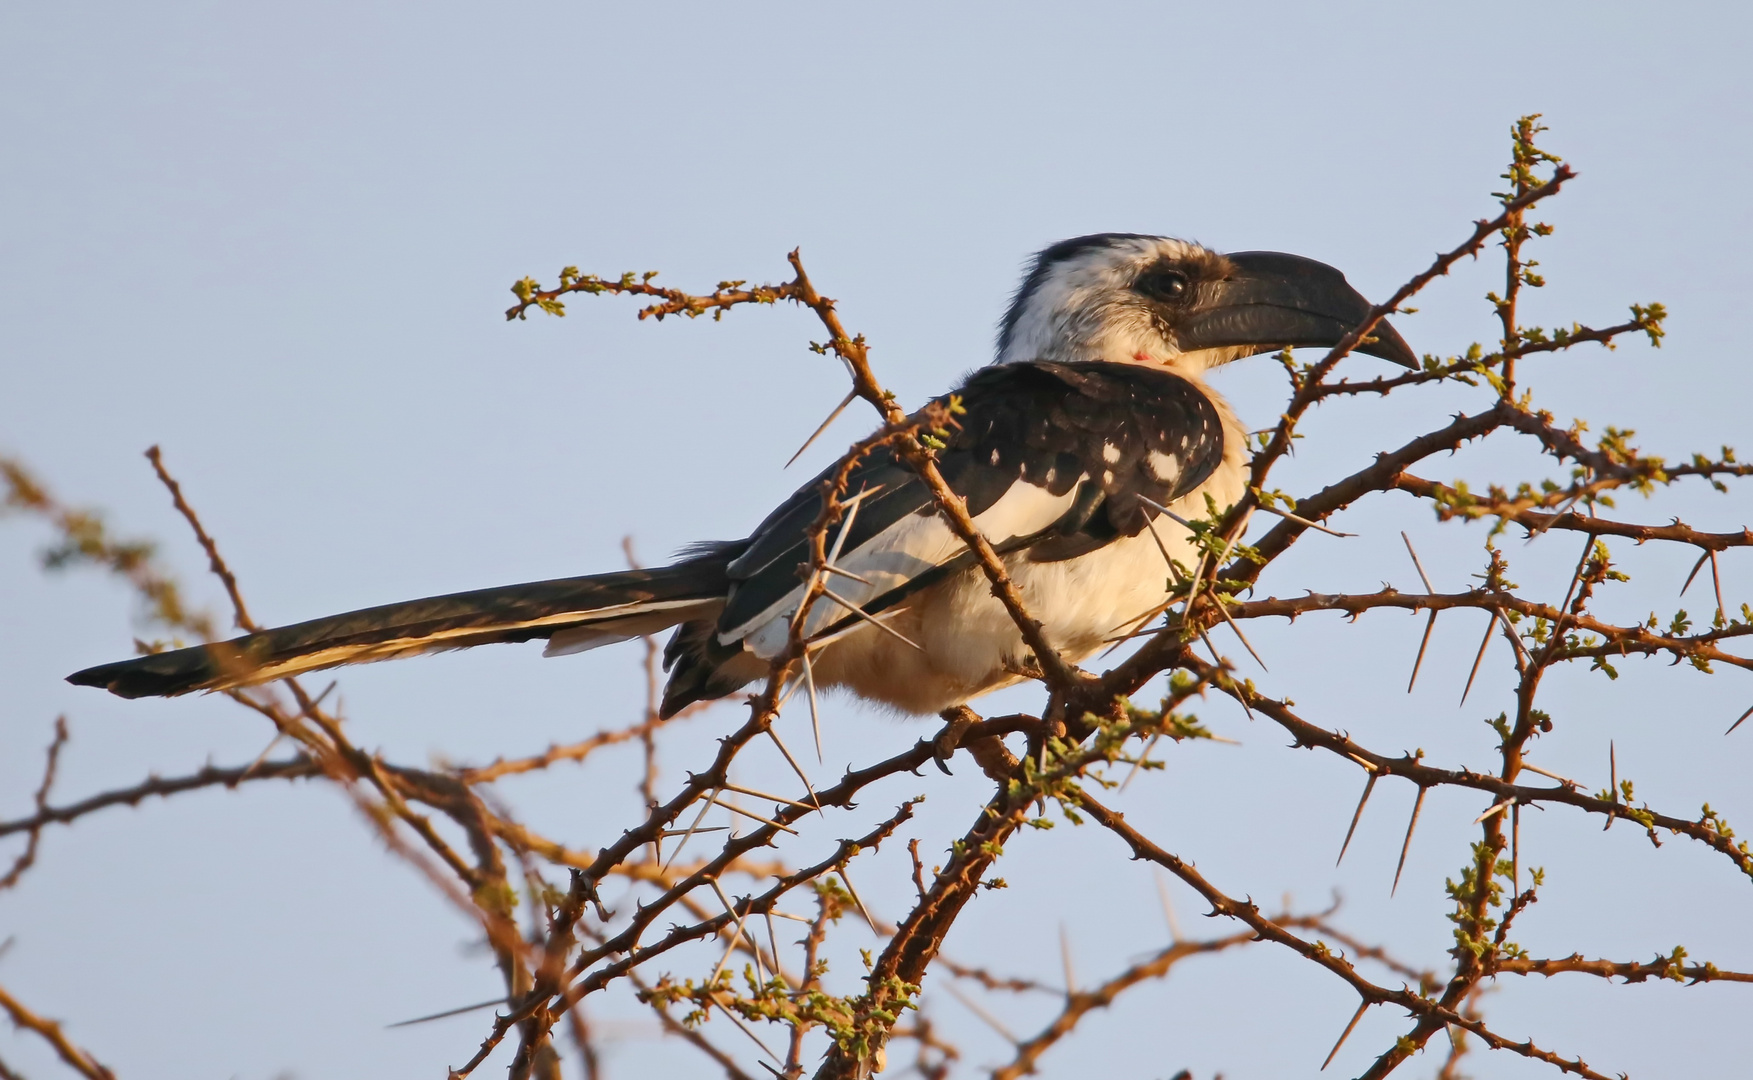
277,241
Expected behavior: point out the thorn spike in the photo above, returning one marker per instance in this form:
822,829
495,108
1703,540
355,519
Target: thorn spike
735,809
1162,893
869,618
1065,959
815,803
735,936
705,806
1357,815
1494,808
852,506
1151,745
1304,521
1218,601
1423,644
1696,567
1416,564
809,678
1737,723
1516,848
1717,581
1480,655
1346,1034
862,910
833,416
1406,845
751,792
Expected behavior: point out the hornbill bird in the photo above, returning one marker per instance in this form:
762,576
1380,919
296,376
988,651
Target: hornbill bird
1093,418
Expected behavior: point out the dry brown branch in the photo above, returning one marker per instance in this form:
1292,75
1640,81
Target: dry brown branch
33,826
294,768
1081,1002
1662,967
240,612
574,752
76,1058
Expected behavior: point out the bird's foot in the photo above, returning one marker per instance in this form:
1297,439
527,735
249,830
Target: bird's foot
957,721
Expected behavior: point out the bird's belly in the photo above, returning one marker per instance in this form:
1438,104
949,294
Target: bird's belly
968,644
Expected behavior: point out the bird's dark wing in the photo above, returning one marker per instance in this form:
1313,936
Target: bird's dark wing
1051,458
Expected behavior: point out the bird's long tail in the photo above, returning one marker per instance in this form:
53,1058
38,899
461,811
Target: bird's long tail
574,614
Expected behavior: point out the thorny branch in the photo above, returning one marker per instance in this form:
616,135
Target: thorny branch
75,1057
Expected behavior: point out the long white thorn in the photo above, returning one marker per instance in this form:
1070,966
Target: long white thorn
867,617
860,578
1417,565
735,809
1065,959
1551,775
978,1010
764,795
1245,643
735,936
1160,546
862,910
738,1021
851,506
1166,512
1142,758
705,806
1288,516
1162,895
805,919
809,678
1496,808
833,416
773,944
815,803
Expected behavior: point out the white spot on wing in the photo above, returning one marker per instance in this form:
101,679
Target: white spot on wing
1165,467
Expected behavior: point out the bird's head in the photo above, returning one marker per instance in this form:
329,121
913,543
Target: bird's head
1153,299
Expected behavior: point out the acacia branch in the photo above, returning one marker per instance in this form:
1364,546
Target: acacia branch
1662,967
28,857
294,768
1079,1003
77,1058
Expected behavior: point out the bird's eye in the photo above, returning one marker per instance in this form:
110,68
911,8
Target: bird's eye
1165,284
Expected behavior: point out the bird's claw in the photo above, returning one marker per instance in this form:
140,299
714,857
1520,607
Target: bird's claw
957,721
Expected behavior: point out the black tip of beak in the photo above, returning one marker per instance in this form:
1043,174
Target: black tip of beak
1390,346
1272,300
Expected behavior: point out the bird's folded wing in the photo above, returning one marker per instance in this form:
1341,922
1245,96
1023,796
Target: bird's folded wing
1050,458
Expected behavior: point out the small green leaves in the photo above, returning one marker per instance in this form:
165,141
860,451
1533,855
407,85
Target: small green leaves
1649,319
1501,724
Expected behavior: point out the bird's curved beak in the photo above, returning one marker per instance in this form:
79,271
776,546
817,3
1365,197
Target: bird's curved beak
1272,300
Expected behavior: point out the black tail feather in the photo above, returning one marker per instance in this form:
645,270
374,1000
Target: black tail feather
511,613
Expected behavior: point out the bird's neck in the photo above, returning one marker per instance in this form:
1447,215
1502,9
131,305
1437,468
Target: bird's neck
1121,349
